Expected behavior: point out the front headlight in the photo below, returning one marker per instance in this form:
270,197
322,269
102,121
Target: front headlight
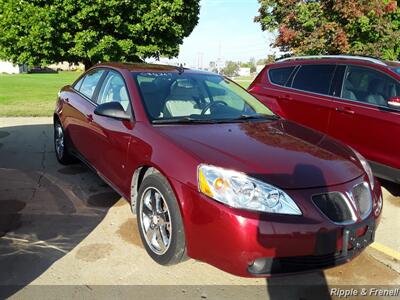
366,166
240,191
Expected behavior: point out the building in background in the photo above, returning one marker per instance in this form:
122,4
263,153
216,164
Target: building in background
244,71
259,68
66,66
10,68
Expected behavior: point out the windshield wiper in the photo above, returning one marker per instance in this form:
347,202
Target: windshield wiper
257,117
191,120
184,120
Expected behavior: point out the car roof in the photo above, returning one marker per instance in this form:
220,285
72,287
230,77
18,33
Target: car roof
147,67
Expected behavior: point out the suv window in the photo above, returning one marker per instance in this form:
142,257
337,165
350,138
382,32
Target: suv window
280,76
314,78
369,86
89,83
114,90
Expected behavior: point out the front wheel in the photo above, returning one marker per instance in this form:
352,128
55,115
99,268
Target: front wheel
159,221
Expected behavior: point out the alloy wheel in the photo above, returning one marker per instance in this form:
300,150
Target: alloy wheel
59,140
155,221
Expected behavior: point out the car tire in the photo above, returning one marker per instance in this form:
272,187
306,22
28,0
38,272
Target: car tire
159,221
60,146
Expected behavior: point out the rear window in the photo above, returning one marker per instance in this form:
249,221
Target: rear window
314,78
89,83
396,70
280,76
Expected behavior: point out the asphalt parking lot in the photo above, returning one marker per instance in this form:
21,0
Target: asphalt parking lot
64,226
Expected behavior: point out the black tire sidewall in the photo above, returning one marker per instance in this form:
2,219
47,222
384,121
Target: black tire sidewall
177,248
66,158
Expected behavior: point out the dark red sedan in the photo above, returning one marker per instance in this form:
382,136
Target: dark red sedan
213,174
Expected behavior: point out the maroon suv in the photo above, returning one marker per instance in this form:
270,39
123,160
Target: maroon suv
352,98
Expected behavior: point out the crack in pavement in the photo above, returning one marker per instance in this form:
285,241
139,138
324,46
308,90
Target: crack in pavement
42,171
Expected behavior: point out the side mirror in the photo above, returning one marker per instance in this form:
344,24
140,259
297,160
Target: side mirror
112,110
394,102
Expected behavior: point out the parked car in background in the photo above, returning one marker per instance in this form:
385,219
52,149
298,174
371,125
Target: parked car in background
355,99
213,174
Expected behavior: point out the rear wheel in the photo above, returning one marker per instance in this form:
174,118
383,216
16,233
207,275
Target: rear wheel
159,221
60,147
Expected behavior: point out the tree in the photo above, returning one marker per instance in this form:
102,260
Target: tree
270,59
231,68
333,27
39,32
251,64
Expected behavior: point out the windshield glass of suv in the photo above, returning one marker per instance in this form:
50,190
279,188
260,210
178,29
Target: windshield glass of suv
172,97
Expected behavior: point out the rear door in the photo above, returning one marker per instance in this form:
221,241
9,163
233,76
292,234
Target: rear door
363,120
268,88
308,99
78,109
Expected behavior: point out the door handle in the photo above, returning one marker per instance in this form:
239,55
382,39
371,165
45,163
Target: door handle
66,100
89,117
345,110
285,97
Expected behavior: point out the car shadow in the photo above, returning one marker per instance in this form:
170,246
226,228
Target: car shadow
46,209
310,285
392,187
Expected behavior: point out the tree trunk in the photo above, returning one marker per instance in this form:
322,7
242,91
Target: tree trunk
88,64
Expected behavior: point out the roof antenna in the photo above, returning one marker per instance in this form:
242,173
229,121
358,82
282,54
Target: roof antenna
181,69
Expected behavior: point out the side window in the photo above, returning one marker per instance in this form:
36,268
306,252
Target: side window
369,86
78,84
114,90
314,78
89,83
280,76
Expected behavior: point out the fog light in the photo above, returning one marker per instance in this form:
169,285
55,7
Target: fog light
261,266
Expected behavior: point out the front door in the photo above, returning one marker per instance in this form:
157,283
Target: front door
362,118
112,136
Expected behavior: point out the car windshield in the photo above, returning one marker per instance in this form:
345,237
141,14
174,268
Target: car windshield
397,70
171,97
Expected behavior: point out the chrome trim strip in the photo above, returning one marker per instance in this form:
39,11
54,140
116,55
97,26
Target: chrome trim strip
349,206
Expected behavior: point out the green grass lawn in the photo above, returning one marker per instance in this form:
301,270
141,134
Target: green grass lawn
23,95
244,81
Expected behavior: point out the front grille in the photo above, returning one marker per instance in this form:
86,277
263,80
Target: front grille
335,206
314,260
362,199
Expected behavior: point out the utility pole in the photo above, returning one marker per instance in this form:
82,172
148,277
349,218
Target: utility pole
219,59
200,60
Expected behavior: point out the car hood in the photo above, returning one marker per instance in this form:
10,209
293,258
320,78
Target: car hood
281,152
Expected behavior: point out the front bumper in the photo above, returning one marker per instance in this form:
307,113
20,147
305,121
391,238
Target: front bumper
253,244
352,245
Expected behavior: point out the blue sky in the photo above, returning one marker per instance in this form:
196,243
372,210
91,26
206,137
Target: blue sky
226,27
